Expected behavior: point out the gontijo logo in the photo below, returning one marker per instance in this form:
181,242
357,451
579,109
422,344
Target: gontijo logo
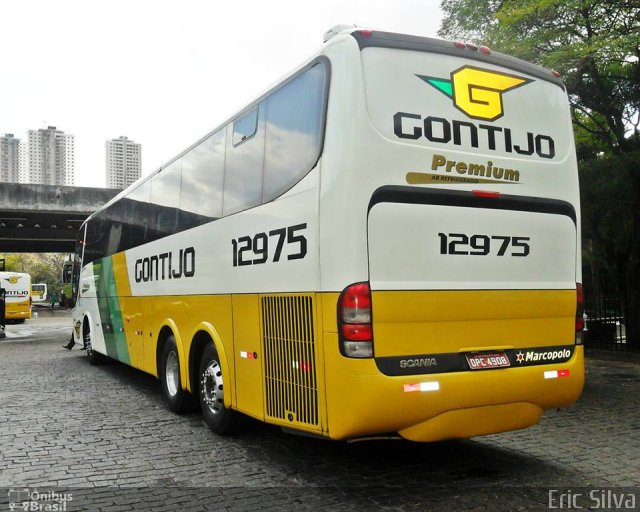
477,92
13,279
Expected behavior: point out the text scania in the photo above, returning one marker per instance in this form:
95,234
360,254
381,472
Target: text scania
167,265
438,129
417,363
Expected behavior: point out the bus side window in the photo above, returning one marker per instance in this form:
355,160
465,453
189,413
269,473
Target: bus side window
202,181
137,214
294,129
115,218
245,127
165,194
96,246
243,172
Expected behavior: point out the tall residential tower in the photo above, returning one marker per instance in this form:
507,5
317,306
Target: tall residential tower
9,159
124,162
51,157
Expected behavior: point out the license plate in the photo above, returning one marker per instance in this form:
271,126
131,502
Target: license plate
488,360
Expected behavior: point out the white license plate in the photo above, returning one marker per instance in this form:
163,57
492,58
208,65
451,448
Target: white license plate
488,360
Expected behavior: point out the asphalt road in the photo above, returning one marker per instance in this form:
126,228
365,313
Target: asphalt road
102,438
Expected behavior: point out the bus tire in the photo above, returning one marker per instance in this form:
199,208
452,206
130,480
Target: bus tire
177,399
211,390
95,358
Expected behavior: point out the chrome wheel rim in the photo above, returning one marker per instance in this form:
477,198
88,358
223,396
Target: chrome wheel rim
172,373
212,388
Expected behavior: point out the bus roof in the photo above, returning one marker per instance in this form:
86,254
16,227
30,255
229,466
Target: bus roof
367,38
378,39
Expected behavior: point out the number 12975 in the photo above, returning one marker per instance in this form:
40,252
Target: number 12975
482,245
254,250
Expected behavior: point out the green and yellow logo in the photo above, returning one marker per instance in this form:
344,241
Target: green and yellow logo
477,92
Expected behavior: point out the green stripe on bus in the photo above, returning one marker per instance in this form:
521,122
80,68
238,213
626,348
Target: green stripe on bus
110,312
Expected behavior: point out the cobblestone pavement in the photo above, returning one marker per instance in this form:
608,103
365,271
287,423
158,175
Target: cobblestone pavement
103,436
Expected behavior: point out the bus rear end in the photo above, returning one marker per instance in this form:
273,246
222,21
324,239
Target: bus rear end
463,207
17,287
39,293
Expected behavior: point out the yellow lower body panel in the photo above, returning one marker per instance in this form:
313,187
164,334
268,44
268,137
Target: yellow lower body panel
362,402
475,421
418,322
427,329
284,365
20,311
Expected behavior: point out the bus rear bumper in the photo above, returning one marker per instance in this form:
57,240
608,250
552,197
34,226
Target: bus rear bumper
18,315
476,421
363,402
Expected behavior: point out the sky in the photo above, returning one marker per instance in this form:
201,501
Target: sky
163,73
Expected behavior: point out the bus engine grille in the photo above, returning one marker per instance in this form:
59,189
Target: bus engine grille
291,386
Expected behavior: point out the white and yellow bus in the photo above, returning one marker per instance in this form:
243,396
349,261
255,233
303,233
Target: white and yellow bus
17,286
386,242
39,293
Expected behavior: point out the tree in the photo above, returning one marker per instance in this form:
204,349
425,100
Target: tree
43,268
595,45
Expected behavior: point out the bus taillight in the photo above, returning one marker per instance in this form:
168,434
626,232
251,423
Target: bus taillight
579,313
354,321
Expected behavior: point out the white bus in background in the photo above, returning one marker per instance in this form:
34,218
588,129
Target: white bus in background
385,242
39,293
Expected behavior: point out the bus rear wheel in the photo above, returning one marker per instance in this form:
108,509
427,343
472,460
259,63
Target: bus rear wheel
211,386
177,399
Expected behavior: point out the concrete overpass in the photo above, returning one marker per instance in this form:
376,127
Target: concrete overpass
45,218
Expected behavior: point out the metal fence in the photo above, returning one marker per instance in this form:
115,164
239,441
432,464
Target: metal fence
604,323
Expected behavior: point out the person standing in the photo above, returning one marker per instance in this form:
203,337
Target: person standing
54,299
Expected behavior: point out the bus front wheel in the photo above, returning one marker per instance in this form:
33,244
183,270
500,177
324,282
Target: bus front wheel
211,383
95,358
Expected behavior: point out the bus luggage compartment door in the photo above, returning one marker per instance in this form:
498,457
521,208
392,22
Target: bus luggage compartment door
451,272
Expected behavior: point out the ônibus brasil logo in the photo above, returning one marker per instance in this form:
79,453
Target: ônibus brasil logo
477,92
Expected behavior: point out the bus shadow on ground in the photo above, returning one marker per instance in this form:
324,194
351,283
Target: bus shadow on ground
381,464
399,463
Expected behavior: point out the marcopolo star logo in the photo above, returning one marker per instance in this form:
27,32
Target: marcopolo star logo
477,92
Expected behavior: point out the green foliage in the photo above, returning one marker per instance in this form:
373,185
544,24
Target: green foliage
43,268
588,146
469,20
611,208
594,44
